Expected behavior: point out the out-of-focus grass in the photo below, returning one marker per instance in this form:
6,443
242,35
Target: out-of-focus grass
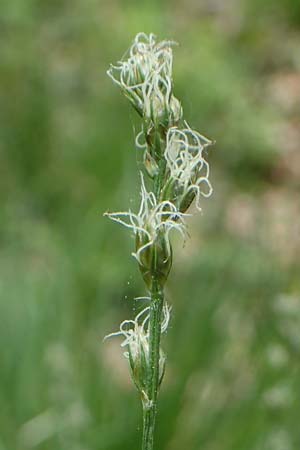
67,155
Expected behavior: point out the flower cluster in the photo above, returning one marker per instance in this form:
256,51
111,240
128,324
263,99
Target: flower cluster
174,160
136,339
146,79
188,169
152,226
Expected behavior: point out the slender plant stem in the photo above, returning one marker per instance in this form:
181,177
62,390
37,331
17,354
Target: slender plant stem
150,405
156,307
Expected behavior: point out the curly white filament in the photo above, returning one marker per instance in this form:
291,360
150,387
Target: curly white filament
152,218
185,161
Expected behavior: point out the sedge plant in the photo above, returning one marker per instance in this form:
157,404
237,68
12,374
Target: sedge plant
175,174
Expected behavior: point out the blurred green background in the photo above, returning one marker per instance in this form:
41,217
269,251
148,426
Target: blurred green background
67,155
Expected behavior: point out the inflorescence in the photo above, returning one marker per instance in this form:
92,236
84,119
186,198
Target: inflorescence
174,161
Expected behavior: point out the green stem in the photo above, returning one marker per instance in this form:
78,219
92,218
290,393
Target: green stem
156,308
150,404
148,428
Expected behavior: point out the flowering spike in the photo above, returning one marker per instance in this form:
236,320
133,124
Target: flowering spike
173,159
145,76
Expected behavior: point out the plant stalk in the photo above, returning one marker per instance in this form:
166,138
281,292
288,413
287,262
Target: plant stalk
150,404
